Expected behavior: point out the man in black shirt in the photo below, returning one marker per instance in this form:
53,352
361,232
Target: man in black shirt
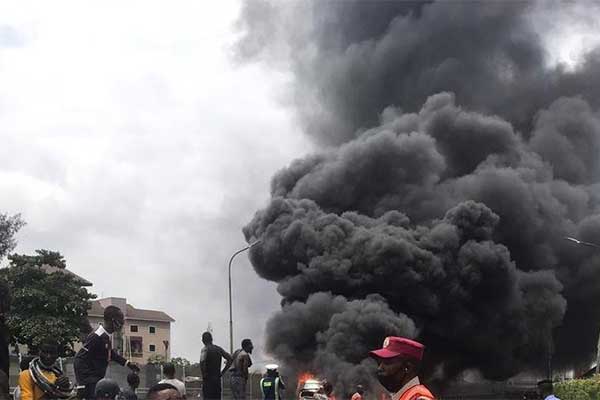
210,365
93,358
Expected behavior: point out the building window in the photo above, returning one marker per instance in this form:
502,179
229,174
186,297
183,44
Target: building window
137,346
152,329
152,348
134,328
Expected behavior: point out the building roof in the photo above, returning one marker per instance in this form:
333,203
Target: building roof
131,313
50,269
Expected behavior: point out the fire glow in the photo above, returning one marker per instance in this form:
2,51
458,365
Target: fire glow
303,377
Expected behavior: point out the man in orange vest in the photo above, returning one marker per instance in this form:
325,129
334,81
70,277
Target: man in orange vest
399,361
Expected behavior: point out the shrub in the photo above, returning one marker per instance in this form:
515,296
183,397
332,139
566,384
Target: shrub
578,389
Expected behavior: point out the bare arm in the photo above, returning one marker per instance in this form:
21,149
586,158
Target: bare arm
228,360
203,362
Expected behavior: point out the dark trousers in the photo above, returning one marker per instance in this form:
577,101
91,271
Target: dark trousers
238,388
89,391
211,389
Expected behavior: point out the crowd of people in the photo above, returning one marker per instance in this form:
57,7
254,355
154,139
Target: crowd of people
41,378
398,365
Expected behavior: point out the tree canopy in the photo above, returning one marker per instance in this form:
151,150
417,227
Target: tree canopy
45,305
9,226
42,257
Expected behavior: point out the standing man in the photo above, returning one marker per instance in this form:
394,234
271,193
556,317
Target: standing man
239,370
271,385
358,395
399,361
93,358
211,359
546,390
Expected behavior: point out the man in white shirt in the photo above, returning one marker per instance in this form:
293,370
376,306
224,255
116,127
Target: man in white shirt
546,390
169,372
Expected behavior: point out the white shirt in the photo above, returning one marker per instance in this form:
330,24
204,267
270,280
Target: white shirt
413,382
180,386
551,397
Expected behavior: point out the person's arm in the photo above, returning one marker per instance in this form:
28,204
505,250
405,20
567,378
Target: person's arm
203,361
116,357
119,359
26,384
228,360
262,387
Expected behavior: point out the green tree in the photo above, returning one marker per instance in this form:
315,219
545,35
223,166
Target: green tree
579,389
156,359
181,362
9,226
42,257
44,305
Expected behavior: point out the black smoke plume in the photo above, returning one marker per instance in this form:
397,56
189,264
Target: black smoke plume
457,160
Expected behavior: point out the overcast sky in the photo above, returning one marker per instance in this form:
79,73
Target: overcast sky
133,144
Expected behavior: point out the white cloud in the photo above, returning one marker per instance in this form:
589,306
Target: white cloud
132,144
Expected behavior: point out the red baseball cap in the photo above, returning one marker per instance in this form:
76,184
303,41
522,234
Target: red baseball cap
394,346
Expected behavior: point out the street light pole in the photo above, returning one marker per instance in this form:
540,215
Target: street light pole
230,305
588,244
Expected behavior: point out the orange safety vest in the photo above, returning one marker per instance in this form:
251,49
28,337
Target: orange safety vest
417,392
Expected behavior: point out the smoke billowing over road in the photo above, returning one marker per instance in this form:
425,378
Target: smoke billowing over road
455,159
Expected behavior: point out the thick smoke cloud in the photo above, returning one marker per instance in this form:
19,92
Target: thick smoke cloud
327,332
461,161
353,59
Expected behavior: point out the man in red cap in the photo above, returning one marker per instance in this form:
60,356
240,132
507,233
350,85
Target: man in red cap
399,361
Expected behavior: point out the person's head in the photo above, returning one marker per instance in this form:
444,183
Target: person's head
247,345
360,389
163,391
48,353
113,319
106,389
272,370
207,338
169,370
545,387
133,380
398,362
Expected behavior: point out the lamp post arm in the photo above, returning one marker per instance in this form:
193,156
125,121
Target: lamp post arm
230,302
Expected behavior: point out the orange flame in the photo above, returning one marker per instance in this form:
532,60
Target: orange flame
303,377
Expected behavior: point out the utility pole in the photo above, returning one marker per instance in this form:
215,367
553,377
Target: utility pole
230,306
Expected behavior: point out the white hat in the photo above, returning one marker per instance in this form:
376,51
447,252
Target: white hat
271,367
